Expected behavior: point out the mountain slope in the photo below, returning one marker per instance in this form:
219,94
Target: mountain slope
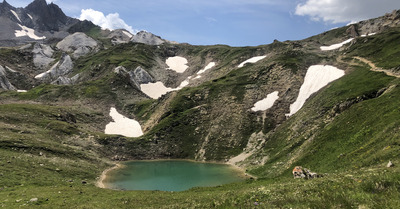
54,146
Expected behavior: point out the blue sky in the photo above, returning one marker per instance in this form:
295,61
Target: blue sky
231,22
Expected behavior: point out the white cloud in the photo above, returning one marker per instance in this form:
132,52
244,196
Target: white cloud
111,21
344,11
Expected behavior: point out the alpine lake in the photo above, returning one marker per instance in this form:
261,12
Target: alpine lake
170,175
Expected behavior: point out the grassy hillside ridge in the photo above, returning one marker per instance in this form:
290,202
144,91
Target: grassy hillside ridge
42,144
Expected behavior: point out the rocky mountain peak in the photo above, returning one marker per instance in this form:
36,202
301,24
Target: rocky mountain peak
5,4
50,16
147,38
4,7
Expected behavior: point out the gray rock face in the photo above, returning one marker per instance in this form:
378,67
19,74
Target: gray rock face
136,77
120,36
47,20
141,76
379,24
4,82
48,17
61,68
79,44
352,31
42,55
147,38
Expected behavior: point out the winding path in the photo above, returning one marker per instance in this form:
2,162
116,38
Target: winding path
375,68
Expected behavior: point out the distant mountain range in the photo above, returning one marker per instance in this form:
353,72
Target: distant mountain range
44,23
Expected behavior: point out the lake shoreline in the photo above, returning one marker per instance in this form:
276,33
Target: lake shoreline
100,182
104,175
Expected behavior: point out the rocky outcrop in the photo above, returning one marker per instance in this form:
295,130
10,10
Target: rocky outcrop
136,77
42,55
379,24
147,38
120,36
79,44
63,80
304,173
352,31
4,82
61,68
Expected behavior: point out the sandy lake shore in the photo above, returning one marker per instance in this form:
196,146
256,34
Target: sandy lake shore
103,176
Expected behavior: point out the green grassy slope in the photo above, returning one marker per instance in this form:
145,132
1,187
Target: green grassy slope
41,145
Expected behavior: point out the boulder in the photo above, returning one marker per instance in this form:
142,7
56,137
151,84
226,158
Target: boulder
390,164
79,44
42,55
304,173
61,68
141,76
136,77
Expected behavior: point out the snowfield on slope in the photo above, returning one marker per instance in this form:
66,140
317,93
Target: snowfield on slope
266,103
208,67
369,34
123,125
177,64
317,77
335,46
252,60
27,32
16,15
156,90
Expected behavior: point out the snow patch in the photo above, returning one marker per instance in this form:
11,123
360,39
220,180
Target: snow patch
123,125
316,78
30,16
28,32
183,84
252,60
11,70
16,15
41,75
177,64
209,66
155,90
266,103
127,34
335,46
369,34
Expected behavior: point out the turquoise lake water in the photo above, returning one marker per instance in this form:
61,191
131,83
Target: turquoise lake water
170,175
